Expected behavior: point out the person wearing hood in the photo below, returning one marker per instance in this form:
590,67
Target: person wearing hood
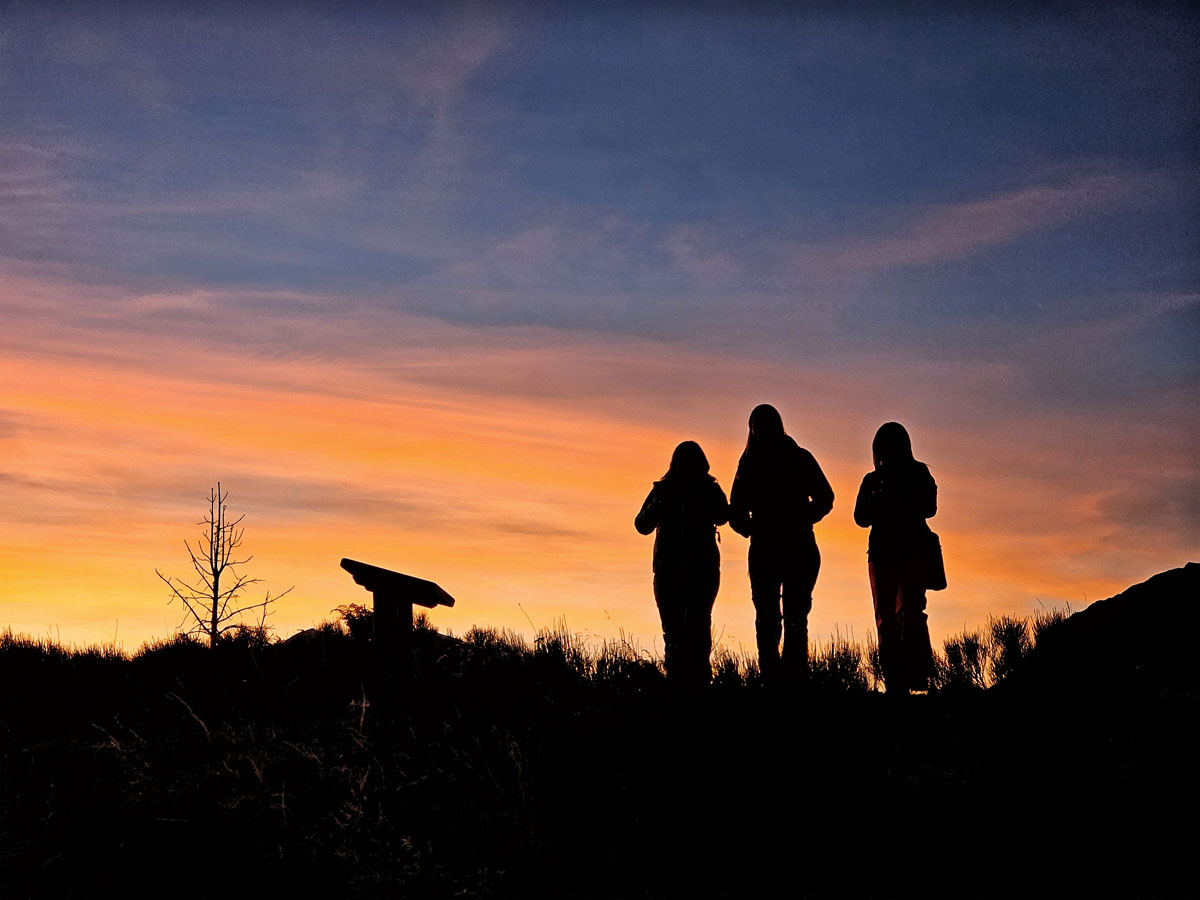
778,494
685,507
894,501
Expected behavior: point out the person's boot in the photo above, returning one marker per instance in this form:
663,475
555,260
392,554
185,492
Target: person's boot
795,652
768,664
670,659
767,633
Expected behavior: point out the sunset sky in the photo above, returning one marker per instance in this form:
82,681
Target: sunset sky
441,290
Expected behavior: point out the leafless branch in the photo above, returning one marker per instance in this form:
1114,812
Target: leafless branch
211,600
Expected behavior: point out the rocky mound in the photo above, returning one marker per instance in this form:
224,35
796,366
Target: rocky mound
1143,639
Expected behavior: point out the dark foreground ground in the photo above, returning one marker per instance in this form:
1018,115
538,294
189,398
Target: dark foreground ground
306,770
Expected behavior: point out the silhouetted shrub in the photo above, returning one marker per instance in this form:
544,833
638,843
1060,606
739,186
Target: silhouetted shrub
559,651
508,643
358,619
873,665
965,664
1046,621
973,660
838,666
249,636
734,671
621,665
1010,643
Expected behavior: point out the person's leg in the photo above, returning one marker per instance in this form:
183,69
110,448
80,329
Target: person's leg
798,584
765,584
699,628
671,612
914,625
885,593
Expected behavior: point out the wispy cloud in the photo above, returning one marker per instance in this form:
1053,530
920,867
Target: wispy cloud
920,237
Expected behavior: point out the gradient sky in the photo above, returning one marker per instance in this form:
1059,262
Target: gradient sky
441,290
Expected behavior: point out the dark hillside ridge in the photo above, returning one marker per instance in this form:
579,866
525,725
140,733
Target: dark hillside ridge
508,769
1141,640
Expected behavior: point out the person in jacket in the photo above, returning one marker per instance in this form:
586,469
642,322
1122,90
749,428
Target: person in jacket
778,494
685,507
894,501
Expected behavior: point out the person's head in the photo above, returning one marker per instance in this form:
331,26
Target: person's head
688,461
892,445
766,425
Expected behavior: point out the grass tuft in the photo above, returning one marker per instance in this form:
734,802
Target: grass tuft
839,666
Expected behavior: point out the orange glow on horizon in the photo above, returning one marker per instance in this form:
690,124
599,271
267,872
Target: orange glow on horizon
506,465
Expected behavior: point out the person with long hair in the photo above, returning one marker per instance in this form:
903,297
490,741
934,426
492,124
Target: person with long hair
778,494
894,501
685,507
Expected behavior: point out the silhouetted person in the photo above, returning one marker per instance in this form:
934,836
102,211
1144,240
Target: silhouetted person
894,501
685,507
778,494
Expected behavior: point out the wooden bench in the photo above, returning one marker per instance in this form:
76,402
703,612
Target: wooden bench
394,595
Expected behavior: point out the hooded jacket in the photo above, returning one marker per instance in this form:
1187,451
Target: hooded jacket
894,501
779,492
686,511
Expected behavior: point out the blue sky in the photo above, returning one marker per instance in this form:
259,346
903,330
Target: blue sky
985,223
757,128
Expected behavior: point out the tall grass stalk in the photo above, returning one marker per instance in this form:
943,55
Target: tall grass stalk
839,665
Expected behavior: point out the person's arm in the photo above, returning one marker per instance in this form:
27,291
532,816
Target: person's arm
819,491
864,505
739,503
647,519
720,510
928,494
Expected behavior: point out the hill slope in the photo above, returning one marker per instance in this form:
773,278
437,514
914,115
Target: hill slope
1140,640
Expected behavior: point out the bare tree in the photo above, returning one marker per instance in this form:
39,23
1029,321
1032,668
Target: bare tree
213,602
